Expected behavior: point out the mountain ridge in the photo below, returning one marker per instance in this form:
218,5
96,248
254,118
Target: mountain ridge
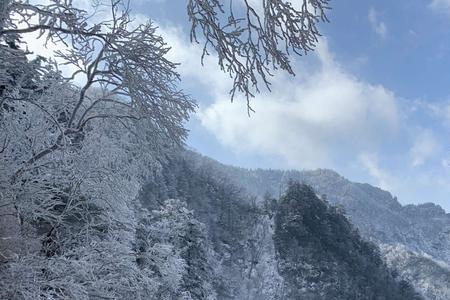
237,206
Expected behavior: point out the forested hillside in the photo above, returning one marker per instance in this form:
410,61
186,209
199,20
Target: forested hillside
422,271
376,213
239,231
320,257
379,217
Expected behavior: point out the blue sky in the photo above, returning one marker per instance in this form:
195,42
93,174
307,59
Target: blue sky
372,103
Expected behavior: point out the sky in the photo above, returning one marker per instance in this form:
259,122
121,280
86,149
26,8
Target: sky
372,102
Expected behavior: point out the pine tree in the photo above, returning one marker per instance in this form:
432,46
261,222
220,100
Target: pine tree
321,256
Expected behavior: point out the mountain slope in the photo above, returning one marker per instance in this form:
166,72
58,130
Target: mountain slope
241,229
375,212
323,257
429,276
420,229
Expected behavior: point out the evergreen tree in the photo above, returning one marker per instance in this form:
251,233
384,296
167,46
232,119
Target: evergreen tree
321,256
174,228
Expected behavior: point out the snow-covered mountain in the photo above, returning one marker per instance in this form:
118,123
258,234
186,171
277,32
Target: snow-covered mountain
376,213
260,250
423,230
428,275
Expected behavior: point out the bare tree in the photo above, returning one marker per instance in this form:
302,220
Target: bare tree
73,158
127,63
252,40
129,95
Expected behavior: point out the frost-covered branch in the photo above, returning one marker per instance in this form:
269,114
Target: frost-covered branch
253,40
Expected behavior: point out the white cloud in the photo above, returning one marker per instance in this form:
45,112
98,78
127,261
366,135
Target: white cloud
309,121
411,187
371,164
378,26
324,117
318,119
188,56
440,6
441,111
38,46
425,146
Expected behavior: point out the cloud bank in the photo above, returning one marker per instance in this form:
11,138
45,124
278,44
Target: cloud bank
310,121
